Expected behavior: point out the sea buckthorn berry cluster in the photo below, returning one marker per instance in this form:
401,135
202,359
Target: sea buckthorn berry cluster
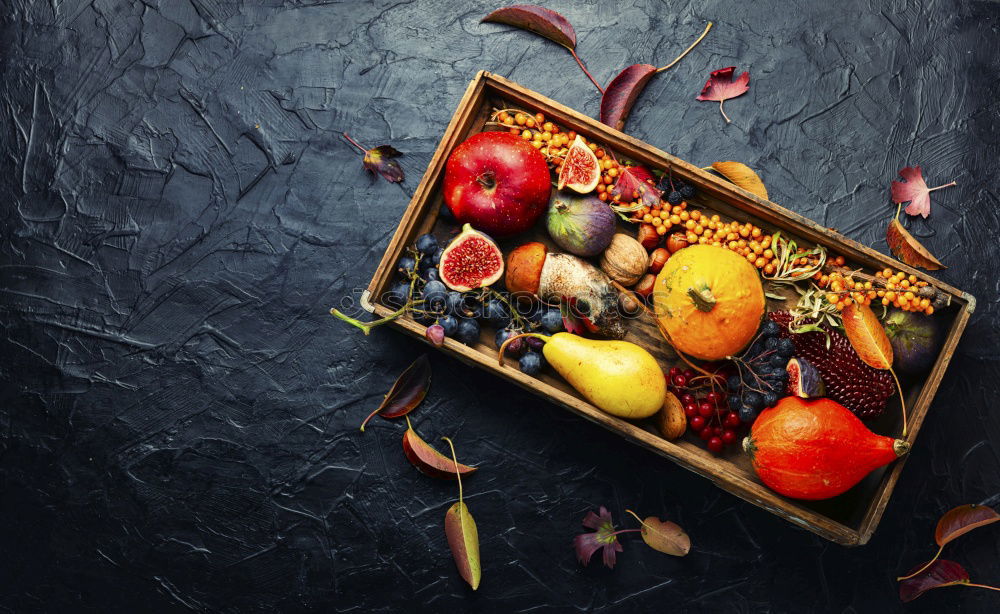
545,136
844,290
903,291
610,169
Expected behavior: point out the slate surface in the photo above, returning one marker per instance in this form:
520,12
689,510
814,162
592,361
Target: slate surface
179,412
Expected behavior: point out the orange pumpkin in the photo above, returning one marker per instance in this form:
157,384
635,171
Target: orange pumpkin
709,301
815,449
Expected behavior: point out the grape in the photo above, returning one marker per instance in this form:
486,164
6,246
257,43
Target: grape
426,244
534,343
432,275
449,324
468,331
435,258
515,348
552,321
753,399
397,295
435,296
495,313
405,265
531,363
456,305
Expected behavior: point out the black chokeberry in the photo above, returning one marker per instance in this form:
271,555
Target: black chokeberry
675,198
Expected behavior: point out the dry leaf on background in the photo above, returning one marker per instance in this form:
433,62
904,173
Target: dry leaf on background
914,190
406,393
428,460
463,536
664,536
938,574
905,246
537,19
960,520
721,87
380,160
621,93
742,175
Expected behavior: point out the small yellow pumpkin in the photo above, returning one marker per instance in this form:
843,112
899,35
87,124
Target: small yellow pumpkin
709,301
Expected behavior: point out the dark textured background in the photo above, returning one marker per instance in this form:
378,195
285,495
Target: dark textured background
179,413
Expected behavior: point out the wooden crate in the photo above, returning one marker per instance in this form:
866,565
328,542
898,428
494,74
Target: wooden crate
848,519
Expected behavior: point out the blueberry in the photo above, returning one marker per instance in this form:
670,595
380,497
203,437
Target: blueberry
778,361
786,347
733,383
495,312
468,331
397,295
531,363
432,275
552,321
449,324
675,198
770,329
688,191
405,264
770,399
435,296
753,399
426,244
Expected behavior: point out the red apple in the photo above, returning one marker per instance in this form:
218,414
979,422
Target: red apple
497,182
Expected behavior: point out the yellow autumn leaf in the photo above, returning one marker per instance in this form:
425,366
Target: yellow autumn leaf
742,175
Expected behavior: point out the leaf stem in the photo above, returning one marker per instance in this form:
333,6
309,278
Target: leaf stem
636,516
586,72
458,474
947,185
723,111
902,399
992,588
626,531
692,46
355,143
366,327
928,564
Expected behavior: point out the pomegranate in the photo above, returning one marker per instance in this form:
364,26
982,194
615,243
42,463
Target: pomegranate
472,260
497,182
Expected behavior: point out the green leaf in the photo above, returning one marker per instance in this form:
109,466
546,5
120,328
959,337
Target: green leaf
460,529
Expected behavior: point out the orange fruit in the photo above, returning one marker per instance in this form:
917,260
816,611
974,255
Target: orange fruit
581,170
709,301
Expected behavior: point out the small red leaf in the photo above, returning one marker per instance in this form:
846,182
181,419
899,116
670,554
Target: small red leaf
539,20
915,190
428,460
406,393
634,183
379,160
905,246
961,520
621,93
940,573
721,87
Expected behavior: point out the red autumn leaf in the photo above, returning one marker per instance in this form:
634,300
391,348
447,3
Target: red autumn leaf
539,20
962,519
621,93
940,573
721,87
636,183
428,460
380,160
406,393
905,246
914,190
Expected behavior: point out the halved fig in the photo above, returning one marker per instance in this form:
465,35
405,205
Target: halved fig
803,379
472,260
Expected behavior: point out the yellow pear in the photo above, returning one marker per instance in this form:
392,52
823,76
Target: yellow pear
619,377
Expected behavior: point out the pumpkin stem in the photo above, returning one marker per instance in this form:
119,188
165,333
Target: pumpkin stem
750,447
703,298
900,447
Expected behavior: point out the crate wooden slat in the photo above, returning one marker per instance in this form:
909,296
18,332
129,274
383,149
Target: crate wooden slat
849,519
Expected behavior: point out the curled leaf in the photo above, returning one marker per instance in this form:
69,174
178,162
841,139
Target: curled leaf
463,536
940,573
742,175
961,520
867,336
380,160
406,393
541,21
636,183
664,536
622,92
915,190
905,246
428,460
721,87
